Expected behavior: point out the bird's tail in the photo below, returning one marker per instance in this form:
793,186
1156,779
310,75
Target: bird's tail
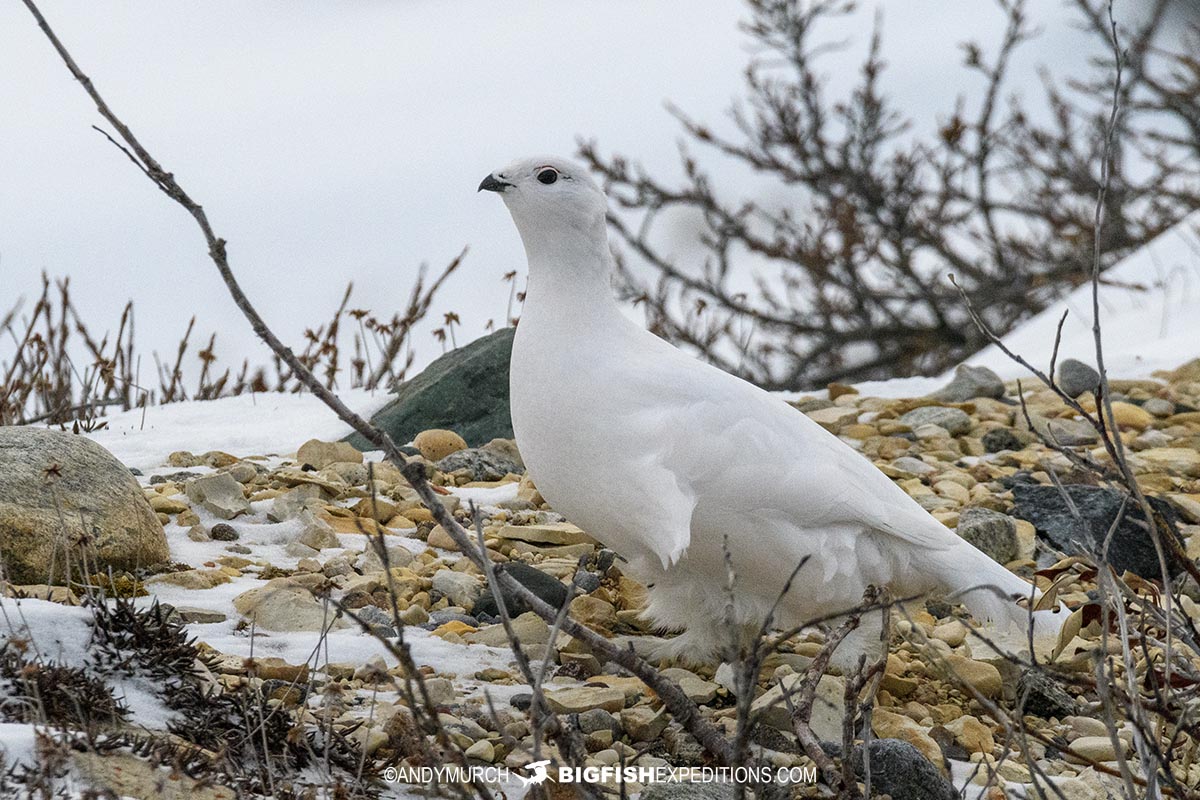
994,597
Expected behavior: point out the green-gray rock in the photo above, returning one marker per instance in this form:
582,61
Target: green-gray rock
465,391
65,500
993,533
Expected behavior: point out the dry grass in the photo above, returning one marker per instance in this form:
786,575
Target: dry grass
55,369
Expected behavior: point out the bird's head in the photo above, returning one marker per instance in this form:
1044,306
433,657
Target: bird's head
549,199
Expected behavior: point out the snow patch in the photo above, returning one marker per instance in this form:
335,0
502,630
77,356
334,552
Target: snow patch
249,424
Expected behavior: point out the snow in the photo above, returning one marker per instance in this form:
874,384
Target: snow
62,634
1147,318
55,633
1147,314
18,744
250,424
487,495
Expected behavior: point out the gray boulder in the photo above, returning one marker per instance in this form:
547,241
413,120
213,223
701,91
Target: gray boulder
485,464
65,500
993,533
1076,377
219,494
954,420
688,791
1131,547
465,391
970,382
898,769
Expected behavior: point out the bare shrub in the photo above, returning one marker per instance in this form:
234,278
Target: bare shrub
850,265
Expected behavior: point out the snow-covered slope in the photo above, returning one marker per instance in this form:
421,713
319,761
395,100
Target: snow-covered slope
250,424
1149,315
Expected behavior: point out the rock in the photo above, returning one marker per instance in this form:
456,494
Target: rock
1095,748
53,484
1127,415
219,494
481,751
328,481
665,790
1076,377
121,774
1131,548
999,439
696,688
593,612
1176,460
972,734
1066,432
441,691
587,581
297,550
890,725
993,533
167,505
598,720
1087,726
543,586
199,616
292,502
191,578
557,533
484,464
508,449
438,537
1158,407
585,698
900,770
1077,789
983,677
319,455
465,390
351,472
968,383
914,465
952,490
644,724
1044,696
953,633
369,561
243,471
436,443
414,615
833,417
828,706
285,605
317,534
272,668
529,628
953,420
459,588
223,532
41,591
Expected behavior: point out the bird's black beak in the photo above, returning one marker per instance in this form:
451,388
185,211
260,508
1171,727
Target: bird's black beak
493,184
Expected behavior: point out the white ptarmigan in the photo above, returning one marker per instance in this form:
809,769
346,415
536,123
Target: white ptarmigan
661,456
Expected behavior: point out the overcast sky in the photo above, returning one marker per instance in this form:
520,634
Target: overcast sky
344,141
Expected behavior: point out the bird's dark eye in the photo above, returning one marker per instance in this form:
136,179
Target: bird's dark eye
548,175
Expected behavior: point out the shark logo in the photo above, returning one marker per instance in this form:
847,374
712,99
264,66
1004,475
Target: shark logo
539,775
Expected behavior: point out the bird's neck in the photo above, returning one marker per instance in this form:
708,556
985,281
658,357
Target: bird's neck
570,272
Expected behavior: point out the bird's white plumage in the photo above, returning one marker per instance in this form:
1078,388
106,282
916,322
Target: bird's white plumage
665,458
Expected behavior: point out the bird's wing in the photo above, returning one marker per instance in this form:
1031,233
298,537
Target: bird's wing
730,439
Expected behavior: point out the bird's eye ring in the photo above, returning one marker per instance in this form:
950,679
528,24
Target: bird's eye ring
548,175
